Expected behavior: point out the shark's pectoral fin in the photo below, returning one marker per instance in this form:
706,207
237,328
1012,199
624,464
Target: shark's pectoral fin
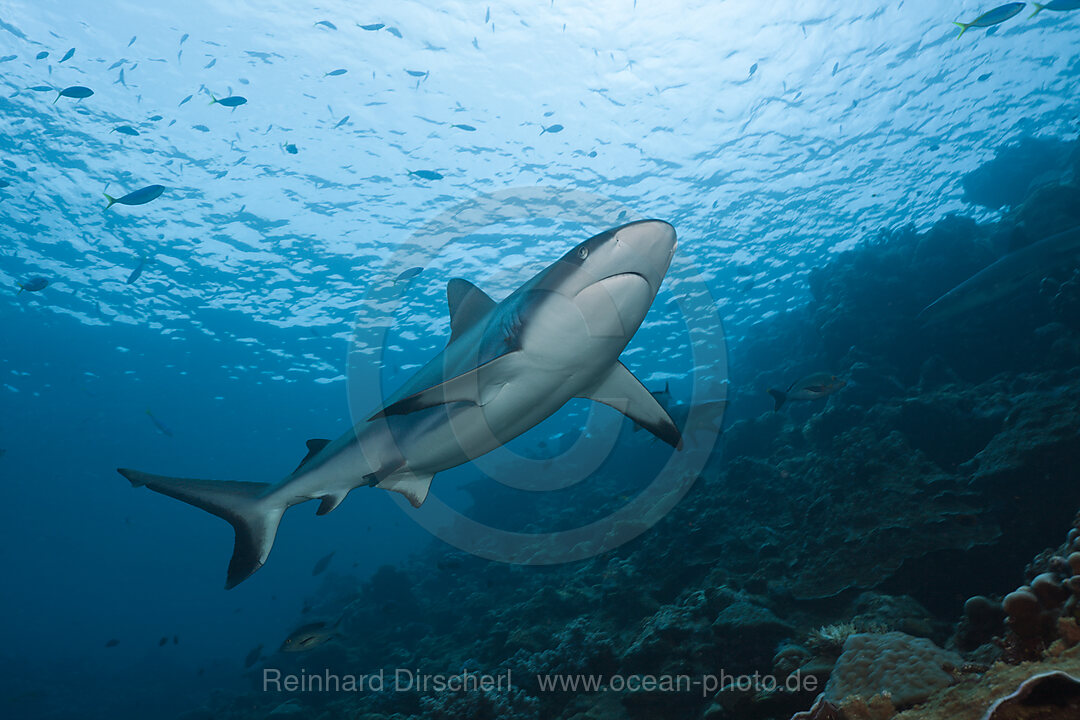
413,487
624,392
468,306
478,386
314,447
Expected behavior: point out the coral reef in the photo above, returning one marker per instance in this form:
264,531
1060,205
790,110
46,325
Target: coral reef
905,669
973,697
1016,169
1048,607
1047,695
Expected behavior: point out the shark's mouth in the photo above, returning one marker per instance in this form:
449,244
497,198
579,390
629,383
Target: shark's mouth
613,279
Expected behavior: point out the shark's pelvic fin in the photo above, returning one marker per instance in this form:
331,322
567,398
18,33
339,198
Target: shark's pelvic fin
384,471
624,392
253,516
314,447
413,487
478,386
468,306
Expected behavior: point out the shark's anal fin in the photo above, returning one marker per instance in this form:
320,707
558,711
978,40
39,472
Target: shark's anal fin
413,487
254,517
468,305
329,502
314,447
477,386
624,392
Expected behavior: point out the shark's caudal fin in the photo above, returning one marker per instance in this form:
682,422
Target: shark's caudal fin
779,396
253,515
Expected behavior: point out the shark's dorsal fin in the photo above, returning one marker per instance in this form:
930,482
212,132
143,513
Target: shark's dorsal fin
314,447
468,305
624,392
478,386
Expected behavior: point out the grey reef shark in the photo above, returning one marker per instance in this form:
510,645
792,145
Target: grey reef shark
507,366
1004,278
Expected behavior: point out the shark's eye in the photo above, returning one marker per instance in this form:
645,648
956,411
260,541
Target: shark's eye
583,252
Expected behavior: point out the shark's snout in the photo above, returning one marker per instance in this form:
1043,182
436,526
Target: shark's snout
649,246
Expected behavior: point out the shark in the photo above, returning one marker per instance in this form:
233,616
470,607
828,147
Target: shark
1004,277
507,366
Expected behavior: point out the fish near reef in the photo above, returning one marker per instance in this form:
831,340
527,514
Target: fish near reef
811,387
324,562
309,637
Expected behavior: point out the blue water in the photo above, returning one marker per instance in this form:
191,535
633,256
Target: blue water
773,136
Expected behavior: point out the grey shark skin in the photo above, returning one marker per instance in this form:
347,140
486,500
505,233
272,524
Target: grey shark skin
1004,277
507,366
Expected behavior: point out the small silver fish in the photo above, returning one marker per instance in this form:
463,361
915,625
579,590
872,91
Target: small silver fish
324,562
159,425
138,270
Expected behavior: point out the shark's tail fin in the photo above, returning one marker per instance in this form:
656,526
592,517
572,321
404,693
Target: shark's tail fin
779,396
253,514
